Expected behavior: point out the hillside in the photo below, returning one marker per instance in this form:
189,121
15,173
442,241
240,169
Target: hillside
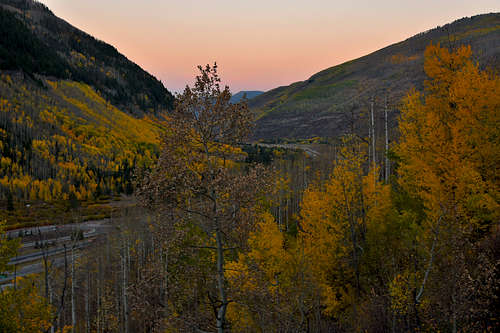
249,94
34,40
332,101
76,117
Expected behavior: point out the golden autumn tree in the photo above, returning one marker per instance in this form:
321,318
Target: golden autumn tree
449,154
335,220
450,144
22,309
8,249
199,178
272,283
254,276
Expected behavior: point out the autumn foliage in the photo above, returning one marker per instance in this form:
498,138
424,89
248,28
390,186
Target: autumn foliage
66,140
400,256
295,244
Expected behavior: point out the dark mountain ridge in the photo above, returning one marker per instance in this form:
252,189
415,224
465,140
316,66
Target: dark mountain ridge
35,41
329,102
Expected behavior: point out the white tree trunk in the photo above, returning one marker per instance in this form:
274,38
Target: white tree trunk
87,301
73,300
124,286
372,130
221,314
387,165
98,321
51,301
166,281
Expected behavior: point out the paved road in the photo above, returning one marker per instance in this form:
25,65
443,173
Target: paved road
86,234
94,224
32,269
32,262
50,252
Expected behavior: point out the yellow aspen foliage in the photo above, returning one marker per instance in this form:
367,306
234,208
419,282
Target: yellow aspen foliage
33,192
23,310
5,162
82,139
267,246
378,201
335,218
450,142
401,291
8,249
268,270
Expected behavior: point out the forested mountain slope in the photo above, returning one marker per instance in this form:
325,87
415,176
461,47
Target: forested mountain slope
76,117
329,102
34,40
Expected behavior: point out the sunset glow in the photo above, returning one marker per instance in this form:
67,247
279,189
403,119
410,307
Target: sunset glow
258,45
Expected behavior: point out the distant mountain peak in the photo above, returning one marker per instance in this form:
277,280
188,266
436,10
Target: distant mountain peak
249,94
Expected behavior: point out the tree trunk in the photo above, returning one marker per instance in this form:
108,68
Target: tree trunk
386,127
87,301
221,315
165,295
45,263
61,305
124,287
73,298
51,301
372,130
98,321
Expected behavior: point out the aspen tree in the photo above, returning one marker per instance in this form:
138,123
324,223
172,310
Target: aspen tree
449,155
386,151
197,176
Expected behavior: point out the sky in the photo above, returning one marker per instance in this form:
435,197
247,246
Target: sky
257,44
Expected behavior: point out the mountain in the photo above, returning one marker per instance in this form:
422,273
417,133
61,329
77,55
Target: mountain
35,41
250,94
76,116
329,102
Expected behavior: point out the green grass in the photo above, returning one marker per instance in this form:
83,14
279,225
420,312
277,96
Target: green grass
332,72
324,91
470,33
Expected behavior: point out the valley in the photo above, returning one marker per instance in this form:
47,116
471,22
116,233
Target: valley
365,198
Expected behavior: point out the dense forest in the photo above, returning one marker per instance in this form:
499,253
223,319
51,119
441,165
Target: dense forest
77,118
63,140
363,237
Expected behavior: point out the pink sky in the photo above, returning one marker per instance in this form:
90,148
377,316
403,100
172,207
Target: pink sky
258,45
